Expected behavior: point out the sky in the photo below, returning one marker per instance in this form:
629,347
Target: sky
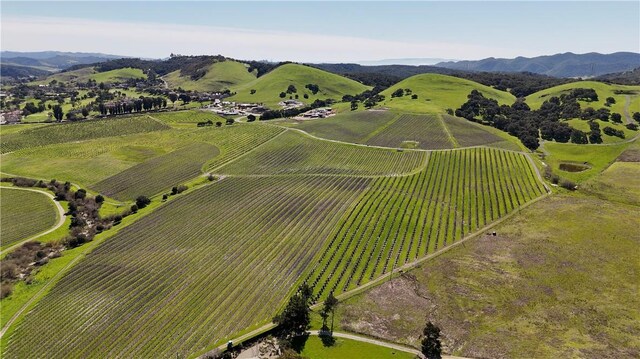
335,31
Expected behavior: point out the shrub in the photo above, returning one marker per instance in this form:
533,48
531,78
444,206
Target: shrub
142,201
568,184
134,208
5,290
632,126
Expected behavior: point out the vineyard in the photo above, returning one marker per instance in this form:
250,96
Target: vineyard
468,134
348,127
152,176
189,275
427,130
79,131
402,219
24,214
191,116
294,153
89,162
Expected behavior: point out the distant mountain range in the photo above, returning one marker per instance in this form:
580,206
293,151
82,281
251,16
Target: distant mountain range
560,65
407,61
16,63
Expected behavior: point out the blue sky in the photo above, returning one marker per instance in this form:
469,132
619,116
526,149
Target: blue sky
323,31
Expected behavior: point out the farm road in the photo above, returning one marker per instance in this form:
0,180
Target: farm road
61,218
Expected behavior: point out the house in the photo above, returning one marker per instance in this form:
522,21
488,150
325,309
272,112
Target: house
10,117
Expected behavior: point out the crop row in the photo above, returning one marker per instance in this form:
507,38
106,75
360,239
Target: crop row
192,273
427,130
24,214
154,175
469,134
79,131
190,116
402,219
295,153
349,126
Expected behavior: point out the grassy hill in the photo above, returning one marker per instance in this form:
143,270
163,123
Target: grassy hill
219,76
436,93
89,73
268,87
630,94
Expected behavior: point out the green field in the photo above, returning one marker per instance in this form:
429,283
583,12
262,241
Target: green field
269,86
157,174
596,157
186,277
558,281
436,93
79,131
347,348
294,153
189,117
402,219
603,90
24,214
220,76
425,132
89,73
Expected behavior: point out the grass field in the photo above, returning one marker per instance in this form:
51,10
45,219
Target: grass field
220,76
89,73
603,90
269,86
346,348
24,214
295,153
559,280
620,182
405,218
157,174
436,93
597,157
79,131
187,276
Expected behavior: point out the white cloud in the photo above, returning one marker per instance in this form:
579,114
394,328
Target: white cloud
158,40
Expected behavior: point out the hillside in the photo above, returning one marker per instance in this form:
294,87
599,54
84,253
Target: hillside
89,73
625,93
268,87
561,65
436,93
49,60
218,77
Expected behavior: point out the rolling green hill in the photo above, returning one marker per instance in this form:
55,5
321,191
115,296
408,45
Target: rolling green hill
219,76
625,93
436,93
89,73
268,87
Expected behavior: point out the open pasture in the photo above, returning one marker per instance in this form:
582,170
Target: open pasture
24,214
189,275
402,219
295,153
157,174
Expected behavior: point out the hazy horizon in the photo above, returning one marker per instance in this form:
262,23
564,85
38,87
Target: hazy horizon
322,32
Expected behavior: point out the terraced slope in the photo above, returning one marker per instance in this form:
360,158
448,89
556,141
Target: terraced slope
294,153
79,131
437,93
219,77
405,218
157,174
24,214
189,275
268,87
